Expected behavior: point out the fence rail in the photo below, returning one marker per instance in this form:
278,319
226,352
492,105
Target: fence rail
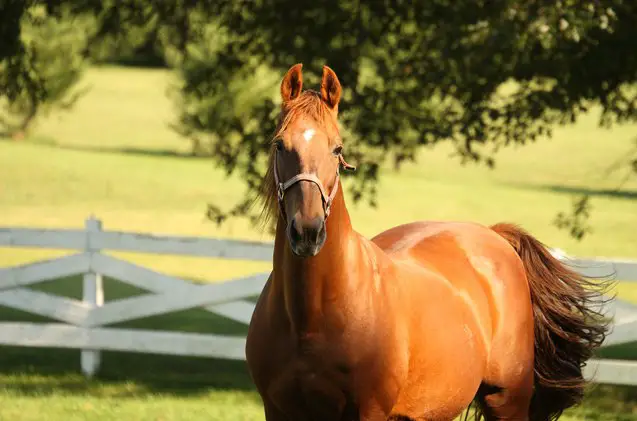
83,324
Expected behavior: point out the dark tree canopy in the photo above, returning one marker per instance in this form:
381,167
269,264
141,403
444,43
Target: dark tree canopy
417,73
479,74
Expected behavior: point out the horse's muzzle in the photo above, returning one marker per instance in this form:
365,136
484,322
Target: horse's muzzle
306,237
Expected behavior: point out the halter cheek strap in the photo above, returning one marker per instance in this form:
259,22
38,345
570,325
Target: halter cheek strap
327,199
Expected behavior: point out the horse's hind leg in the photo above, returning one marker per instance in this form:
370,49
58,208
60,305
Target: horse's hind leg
507,388
508,382
509,402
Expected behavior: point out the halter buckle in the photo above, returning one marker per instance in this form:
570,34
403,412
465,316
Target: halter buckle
326,207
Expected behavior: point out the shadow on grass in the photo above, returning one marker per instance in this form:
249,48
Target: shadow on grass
619,194
162,153
138,152
48,371
612,193
38,371
627,351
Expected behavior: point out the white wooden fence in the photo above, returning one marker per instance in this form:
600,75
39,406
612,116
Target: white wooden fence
84,324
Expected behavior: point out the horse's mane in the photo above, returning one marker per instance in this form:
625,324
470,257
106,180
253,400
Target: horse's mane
310,105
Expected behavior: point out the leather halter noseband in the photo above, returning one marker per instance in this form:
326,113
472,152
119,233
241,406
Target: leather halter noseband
327,199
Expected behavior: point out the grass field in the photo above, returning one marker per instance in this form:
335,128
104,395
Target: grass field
113,156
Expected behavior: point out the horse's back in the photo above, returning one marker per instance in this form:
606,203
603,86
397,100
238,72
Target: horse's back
446,247
404,238
458,251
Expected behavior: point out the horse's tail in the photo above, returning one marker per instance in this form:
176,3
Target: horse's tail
568,327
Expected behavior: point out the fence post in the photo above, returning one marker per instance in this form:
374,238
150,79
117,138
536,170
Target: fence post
93,295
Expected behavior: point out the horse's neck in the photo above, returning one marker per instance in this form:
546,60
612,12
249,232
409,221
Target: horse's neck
309,285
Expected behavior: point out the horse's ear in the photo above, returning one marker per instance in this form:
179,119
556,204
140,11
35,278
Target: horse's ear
330,88
292,83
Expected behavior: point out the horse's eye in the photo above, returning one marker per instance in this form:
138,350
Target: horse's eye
278,145
337,150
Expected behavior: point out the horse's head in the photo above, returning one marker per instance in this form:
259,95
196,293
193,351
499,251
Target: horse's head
306,158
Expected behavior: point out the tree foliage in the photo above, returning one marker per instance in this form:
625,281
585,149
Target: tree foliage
482,75
44,69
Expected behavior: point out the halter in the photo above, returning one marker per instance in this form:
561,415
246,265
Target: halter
326,199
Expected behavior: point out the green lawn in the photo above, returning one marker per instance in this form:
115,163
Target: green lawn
113,156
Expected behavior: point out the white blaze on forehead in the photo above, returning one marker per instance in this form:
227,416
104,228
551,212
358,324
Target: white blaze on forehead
308,134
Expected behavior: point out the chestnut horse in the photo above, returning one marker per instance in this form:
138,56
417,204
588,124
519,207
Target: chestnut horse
414,324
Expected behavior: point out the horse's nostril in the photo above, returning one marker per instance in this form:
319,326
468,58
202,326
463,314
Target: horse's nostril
306,236
309,231
315,229
295,232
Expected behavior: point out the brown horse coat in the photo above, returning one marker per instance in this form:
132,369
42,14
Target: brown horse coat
415,323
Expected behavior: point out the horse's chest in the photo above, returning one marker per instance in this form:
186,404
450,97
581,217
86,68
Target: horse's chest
311,389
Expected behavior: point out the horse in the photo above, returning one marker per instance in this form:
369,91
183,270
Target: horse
420,322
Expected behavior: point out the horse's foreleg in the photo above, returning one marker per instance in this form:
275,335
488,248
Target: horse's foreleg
272,413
